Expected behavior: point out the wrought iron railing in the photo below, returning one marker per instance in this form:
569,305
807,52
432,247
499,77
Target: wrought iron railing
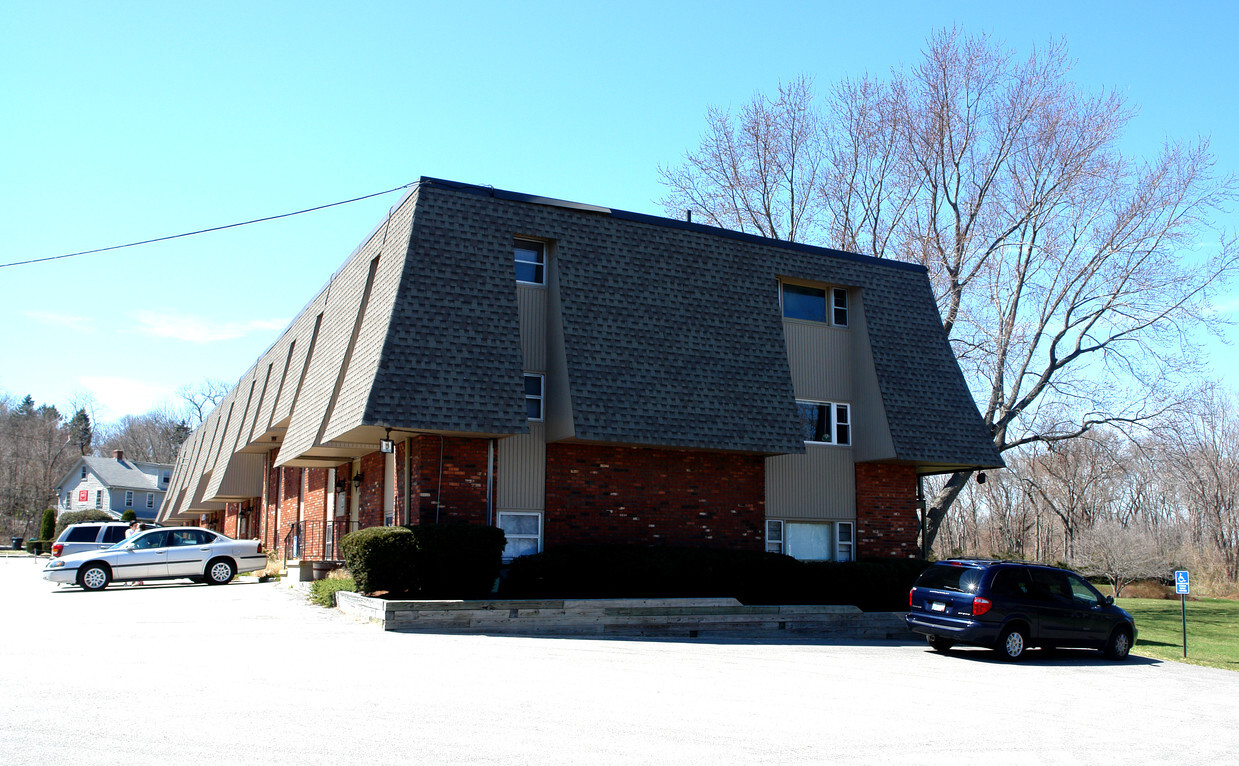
292,541
331,542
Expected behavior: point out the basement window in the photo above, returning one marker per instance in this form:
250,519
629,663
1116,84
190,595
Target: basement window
523,531
530,262
811,541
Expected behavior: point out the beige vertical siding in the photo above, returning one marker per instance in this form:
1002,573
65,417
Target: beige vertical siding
871,433
531,300
820,484
820,357
559,423
521,482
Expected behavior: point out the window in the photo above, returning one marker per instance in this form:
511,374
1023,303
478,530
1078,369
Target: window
165,477
533,395
128,498
150,499
530,262
114,534
774,536
843,541
809,304
83,472
83,534
825,422
811,541
191,537
98,498
524,533
840,317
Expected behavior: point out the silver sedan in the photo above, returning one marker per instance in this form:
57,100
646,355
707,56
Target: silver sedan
197,554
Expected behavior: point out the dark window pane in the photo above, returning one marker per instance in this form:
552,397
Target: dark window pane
843,430
530,262
841,307
114,534
950,577
804,303
533,409
533,385
814,421
83,535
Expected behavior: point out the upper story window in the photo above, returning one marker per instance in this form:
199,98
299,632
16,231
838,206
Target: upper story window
83,472
165,477
810,304
534,397
530,262
825,422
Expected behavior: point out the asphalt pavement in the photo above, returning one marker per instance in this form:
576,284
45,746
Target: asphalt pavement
250,673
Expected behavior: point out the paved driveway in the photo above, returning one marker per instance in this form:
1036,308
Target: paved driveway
251,674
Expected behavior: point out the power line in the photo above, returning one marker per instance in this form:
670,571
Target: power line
206,231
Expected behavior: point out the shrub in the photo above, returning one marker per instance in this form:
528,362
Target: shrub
129,515
1147,589
457,560
323,592
80,517
47,530
752,577
381,558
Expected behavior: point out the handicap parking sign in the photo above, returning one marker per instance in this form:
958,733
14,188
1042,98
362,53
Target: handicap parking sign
1182,586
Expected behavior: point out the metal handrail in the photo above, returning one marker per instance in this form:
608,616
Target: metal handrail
294,533
339,528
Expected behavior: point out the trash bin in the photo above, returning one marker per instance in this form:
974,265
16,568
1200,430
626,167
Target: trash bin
17,542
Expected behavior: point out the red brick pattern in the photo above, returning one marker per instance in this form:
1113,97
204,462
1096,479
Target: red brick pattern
458,492
601,494
886,520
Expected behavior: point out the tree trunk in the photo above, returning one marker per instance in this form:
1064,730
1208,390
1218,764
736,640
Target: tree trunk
936,508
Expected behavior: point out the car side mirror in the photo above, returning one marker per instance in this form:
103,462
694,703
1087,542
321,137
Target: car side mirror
127,547
1108,600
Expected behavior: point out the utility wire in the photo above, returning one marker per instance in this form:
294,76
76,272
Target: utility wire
205,231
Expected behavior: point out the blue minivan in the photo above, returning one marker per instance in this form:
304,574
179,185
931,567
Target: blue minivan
1010,606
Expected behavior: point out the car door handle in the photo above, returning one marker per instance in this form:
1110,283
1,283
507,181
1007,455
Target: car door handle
205,548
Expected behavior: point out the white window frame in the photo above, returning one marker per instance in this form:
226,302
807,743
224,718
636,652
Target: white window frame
774,536
834,408
128,498
533,244
83,472
540,398
850,544
98,499
150,499
499,523
835,301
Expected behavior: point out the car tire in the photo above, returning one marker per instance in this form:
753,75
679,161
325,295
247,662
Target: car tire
1012,643
939,644
94,577
1118,645
220,572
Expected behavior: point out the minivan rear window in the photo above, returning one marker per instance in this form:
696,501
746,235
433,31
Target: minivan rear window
950,577
82,534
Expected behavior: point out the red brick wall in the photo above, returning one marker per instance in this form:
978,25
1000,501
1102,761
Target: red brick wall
600,494
886,520
458,493
371,493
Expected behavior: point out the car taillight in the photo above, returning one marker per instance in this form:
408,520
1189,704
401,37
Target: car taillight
980,606
57,549
910,597
260,546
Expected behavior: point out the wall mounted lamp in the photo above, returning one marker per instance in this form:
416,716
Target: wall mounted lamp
357,479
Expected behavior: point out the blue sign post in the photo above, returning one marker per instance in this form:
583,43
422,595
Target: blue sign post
1183,587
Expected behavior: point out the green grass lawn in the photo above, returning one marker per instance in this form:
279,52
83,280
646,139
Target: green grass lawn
1212,630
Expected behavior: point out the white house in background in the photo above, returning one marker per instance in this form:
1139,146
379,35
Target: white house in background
114,485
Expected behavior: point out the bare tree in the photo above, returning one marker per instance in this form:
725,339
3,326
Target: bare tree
1069,277
200,398
1123,555
154,437
758,171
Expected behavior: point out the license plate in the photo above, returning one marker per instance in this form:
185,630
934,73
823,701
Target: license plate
937,606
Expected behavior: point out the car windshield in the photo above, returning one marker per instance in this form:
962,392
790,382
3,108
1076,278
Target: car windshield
951,577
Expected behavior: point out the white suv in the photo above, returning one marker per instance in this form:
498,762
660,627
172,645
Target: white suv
91,536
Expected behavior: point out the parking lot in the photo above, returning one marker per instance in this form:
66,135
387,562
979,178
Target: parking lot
250,673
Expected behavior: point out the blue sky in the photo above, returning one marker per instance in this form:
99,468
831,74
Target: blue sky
127,121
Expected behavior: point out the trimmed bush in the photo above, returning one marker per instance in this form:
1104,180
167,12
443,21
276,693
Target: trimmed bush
381,559
129,515
80,517
752,577
457,560
47,530
323,592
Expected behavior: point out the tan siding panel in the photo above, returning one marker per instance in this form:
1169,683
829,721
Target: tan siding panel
871,433
242,477
820,358
532,302
820,484
521,483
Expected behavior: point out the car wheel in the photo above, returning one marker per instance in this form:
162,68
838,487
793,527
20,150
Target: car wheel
939,644
220,572
1012,643
94,577
1119,644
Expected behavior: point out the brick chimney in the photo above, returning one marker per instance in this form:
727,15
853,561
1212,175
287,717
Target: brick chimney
119,454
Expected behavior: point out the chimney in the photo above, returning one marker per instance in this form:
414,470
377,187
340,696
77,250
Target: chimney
119,454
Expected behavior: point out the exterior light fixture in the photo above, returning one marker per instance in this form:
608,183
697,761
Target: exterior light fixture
981,477
357,478
386,445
